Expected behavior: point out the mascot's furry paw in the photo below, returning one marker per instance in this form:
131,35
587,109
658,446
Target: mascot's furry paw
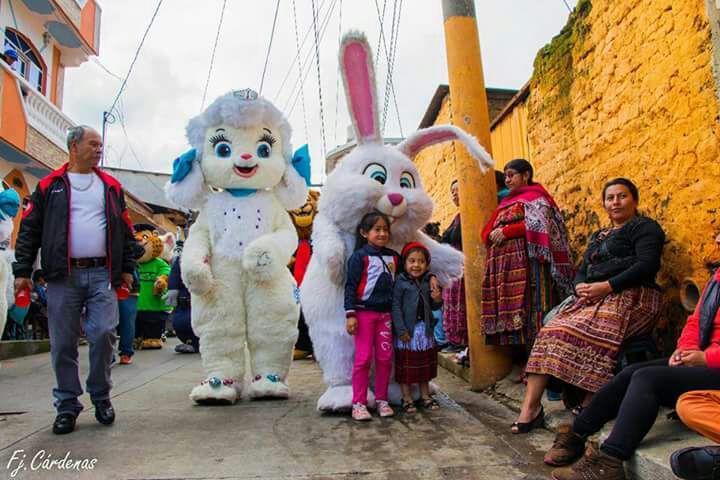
199,281
339,399
269,386
336,269
262,259
214,391
161,284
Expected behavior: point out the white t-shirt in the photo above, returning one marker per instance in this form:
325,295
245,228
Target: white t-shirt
87,216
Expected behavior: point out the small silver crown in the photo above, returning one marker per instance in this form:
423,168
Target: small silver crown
246,94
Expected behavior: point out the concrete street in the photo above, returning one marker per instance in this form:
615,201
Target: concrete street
159,434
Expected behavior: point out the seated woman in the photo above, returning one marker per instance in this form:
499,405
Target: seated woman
617,298
635,395
528,261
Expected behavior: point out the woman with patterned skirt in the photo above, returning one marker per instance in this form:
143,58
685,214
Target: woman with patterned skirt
528,269
454,314
616,298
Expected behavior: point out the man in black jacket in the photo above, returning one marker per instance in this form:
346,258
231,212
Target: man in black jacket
78,219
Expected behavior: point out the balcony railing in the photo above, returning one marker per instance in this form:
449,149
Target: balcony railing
45,117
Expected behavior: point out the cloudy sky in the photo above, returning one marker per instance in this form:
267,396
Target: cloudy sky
167,83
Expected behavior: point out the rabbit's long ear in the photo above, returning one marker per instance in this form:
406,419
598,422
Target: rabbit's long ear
356,65
426,137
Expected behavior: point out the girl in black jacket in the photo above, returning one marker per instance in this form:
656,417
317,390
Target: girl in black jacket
415,294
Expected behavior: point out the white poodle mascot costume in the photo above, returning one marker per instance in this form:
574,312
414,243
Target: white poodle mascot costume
372,177
242,178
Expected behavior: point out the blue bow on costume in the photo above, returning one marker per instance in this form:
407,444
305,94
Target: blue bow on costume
9,203
184,164
301,162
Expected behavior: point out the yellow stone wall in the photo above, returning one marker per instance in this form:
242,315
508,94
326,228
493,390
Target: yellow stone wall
625,89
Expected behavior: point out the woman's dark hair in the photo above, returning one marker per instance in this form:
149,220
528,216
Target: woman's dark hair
499,180
622,181
432,230
521,165
366,223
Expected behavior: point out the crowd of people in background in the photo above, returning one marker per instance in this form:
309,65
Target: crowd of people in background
568,326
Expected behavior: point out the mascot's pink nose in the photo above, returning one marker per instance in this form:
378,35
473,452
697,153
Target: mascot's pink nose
246,156
395,198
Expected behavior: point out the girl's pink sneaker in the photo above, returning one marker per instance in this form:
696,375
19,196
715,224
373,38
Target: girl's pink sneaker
360,412
384,409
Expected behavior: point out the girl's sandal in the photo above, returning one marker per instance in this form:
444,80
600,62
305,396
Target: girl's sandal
408,407
522,427
429,403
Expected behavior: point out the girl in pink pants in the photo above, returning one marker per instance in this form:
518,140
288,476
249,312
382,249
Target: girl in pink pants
368,301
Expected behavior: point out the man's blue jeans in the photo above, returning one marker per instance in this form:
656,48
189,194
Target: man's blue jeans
89,287
128,312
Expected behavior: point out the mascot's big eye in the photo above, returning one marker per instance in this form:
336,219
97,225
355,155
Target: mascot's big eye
223,150
264,150
377,172
407,180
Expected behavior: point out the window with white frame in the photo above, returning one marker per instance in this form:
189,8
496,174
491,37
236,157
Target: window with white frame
29,65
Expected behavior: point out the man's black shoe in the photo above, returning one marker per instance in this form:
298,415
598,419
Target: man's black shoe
64,423
696,463
104,412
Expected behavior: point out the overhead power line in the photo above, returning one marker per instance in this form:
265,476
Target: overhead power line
135,57
212,57
337,78
568,6
272,35
307,65
297,55
387,56
302,86
317,62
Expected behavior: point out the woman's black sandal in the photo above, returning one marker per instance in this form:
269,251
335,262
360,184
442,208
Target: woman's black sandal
408,407
577,410
429,404
522,427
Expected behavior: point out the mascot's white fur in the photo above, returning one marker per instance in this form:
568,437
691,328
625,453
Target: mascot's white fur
372,177
240,176
9,205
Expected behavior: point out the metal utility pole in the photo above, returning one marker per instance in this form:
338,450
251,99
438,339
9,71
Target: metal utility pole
478,194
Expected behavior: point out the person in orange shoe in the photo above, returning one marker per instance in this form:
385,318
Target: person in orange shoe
700,409
634,396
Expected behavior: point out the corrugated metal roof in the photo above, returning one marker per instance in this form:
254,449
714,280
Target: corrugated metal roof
147,186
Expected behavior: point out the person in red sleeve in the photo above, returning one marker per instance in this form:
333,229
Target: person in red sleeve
529,268
700,409
635,395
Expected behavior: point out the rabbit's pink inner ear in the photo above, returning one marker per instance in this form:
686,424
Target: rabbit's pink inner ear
360,89
429,138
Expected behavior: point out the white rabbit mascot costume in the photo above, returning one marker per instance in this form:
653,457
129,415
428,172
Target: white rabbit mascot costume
242,178
372,177
9,206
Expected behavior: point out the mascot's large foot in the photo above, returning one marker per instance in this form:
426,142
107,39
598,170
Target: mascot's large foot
300,354
269,386
214,391
151,344
339,399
